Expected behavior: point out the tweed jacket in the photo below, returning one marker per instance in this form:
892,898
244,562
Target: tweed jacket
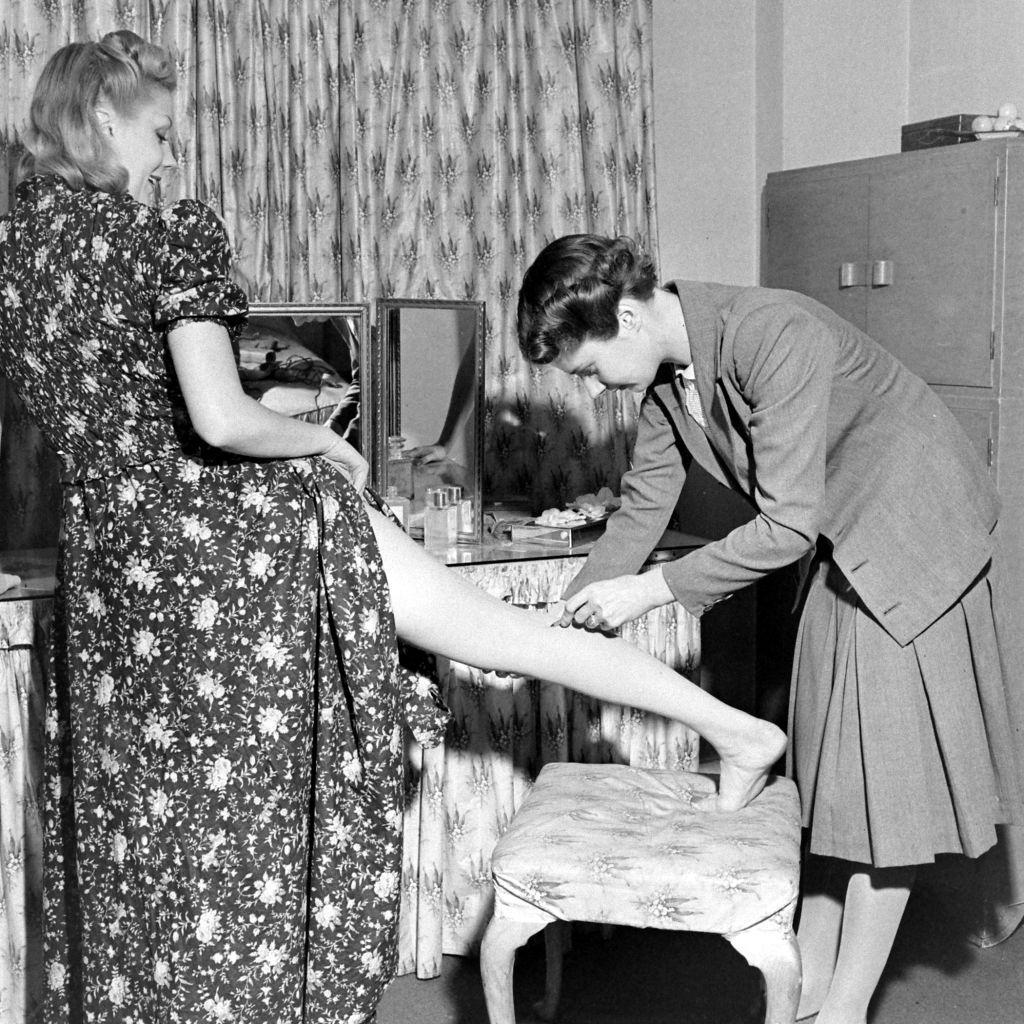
829,435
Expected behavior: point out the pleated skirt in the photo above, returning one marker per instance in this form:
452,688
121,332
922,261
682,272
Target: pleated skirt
900,753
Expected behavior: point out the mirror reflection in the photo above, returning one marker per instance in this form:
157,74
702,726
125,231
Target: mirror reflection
432,370
307,361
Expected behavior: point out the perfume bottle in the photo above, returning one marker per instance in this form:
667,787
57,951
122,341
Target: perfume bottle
399,504
399,467
440,524
464,512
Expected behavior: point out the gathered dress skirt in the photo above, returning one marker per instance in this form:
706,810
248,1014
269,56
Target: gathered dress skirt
900,753
224,756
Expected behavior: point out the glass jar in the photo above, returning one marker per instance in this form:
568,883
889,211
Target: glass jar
399,504
440,522
399,467
464,511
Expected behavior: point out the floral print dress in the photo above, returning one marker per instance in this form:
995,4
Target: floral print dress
223,730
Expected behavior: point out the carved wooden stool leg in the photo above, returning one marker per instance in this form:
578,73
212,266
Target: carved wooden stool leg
554,950
772,949
497,960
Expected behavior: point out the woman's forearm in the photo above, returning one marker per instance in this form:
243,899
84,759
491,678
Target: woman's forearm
252,429
222,414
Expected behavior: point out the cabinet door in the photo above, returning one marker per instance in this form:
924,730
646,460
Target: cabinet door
813,226
935,228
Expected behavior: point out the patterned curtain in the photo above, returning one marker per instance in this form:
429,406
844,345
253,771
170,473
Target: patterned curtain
359,149
483,129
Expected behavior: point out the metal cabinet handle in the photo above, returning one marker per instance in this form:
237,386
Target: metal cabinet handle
853,275
882,272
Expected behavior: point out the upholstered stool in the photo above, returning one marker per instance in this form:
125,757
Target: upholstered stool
620,845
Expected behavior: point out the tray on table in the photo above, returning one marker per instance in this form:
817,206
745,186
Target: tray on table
566,536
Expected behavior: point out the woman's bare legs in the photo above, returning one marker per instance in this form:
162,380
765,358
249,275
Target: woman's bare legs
438,610
847,945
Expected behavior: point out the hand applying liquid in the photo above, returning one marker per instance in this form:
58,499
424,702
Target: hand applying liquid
607,604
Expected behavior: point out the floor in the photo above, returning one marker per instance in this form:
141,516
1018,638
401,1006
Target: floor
934,976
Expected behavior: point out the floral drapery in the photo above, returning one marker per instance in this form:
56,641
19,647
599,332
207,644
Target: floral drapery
359,149
24,640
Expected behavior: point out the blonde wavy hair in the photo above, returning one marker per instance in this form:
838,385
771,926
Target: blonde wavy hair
63,136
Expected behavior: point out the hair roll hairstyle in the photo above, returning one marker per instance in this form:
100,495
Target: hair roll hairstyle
572,292
63,135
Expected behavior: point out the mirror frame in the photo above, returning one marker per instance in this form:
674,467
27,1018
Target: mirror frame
387,390
359,312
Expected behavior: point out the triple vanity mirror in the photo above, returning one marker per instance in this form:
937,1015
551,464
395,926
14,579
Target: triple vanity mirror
406,391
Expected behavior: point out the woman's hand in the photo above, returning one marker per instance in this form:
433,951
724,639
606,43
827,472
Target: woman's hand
8,581
607,604
349,463
428,453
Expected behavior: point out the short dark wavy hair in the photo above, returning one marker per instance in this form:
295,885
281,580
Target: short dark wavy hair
572,292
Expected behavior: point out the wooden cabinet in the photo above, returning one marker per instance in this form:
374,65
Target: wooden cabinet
906,247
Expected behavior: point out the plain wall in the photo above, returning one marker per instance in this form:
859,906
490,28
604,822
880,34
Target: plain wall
704,119
965,57
845,79
745,87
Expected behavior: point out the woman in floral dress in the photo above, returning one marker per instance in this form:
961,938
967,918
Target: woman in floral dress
224,759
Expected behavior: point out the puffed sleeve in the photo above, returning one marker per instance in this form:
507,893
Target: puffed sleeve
194,271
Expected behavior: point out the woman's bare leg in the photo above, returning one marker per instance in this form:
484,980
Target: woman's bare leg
438,610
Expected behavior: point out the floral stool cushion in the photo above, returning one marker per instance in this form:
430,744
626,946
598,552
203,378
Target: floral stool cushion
622,845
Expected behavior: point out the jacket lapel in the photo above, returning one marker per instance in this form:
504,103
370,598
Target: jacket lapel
704,330
703,327
672,401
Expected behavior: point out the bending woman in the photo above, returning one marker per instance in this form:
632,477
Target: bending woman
224,760
903,741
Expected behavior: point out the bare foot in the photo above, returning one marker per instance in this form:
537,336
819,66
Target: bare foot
744,773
